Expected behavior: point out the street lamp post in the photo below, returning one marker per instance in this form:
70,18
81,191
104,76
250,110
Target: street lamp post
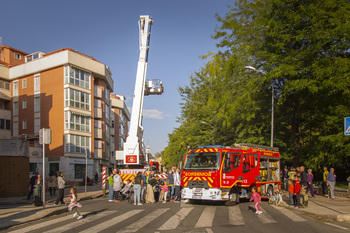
272,100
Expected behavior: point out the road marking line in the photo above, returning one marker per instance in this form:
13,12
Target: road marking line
207,217
265,217
331,224
292,216
43,224
235,215
175,220
209,230
144,221
113,221
80,222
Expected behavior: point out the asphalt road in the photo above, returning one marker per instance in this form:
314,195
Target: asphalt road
99,215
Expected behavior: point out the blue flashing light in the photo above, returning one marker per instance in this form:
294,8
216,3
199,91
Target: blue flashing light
210,146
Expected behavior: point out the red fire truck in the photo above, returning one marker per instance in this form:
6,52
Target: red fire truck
229,173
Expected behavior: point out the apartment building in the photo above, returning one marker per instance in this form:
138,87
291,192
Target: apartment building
120,129
65,91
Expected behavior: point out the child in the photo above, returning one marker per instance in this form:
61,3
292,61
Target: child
74,204
296,194
164,191
126,188
257,199
291,192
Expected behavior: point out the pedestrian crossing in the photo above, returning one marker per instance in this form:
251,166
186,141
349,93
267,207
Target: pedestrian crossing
162,219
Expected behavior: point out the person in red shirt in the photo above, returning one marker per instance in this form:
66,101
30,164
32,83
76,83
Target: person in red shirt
291,192
296,193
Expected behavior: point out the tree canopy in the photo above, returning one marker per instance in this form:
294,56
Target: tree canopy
299,47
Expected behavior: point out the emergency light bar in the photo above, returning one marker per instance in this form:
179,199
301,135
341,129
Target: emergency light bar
210,146
254,146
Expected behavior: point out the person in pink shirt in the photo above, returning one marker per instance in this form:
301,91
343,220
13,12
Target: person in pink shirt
257,199
164,191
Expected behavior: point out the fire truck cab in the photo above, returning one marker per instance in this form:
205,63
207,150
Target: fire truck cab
229,173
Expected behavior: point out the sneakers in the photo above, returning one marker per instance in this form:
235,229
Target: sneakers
135,203
75,215
139,204
164,202
116,201
258,212
80,217
110,200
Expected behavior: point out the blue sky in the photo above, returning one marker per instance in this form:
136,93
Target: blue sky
108,31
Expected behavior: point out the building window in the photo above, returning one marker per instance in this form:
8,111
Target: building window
33,56
77,99
76,121
18,56
107,111
33,167
5,124
107,92
15,88
15,128
36,125
77,77
36,104
98,124
98,144
121,143
2,105
37,83
15,108
107,131
79,171
121,117
4,85
98,103
77,143
24,83
24,104
24,124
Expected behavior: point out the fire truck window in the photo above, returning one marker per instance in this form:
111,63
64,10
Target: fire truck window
249,162
232,161
202,161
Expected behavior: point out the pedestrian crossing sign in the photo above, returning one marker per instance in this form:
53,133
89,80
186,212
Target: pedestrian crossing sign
347,126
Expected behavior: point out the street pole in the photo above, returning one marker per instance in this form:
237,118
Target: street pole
85,170
272,100
43,175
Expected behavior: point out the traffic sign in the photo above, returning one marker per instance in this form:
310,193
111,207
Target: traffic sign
347,126
45,136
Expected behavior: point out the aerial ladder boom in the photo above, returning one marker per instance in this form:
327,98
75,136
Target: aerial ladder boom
133,145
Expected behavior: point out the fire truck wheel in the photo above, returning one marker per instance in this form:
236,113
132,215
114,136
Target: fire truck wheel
232,199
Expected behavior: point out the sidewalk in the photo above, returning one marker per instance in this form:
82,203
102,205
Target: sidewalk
337,209
18,210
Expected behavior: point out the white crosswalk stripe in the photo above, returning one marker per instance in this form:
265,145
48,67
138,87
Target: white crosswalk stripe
235,216
76,224
175,220
169,220
43,224
144,221
290,214
207,217
102,226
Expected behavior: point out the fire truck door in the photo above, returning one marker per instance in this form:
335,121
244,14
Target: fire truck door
250,168
232,168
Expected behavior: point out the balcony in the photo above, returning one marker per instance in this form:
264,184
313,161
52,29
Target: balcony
98,133
98,91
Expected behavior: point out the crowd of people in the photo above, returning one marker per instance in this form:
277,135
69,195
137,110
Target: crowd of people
298,183
145,188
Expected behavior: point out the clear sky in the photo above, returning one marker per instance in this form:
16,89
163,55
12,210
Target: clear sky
108,31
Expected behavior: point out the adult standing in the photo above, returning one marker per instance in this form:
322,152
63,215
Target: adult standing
144,187
292,173
171,185
117,185
324,183
137,188
303,183
52,183
310,178
110,186
38,187
285,178
149,191
61,184
331,183
177,183
31,184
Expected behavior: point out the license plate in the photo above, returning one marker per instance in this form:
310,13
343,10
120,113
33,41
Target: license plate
196,197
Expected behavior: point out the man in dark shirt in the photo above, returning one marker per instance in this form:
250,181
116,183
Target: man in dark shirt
31,184
303,183
285,178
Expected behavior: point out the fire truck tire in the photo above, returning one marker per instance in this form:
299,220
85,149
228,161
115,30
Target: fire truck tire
232,199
